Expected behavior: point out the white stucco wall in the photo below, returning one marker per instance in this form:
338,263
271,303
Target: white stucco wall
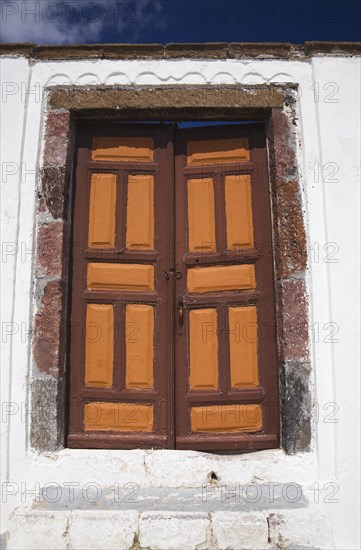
329,131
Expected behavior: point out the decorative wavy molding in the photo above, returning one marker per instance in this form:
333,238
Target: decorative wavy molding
281,77
89,79
58,79
223,78
191,77
253,78
116,78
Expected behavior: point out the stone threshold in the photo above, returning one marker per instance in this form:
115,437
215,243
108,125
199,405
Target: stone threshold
235,497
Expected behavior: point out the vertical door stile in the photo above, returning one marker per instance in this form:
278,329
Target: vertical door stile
121,209
220,210
120,338
223,353
170,277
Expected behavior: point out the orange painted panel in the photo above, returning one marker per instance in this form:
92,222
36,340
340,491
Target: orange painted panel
139,346
226,418
127,417
203,344
201,217
217,278
104,276
99,345
123,149
239,211
217,151
243,346
140,212
103,188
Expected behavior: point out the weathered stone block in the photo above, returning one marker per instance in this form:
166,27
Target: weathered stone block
165,98
47,414
80,51
4,537
300,529
180,531
291,251
96,529
47,339
283,157
261,50
333,48
133,51
53,192
239,530
296,407
293,320
57,131
50,249
211,50
33,530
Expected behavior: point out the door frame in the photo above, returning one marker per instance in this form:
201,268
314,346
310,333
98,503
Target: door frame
277,105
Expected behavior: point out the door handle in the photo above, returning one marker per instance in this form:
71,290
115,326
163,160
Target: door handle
180,316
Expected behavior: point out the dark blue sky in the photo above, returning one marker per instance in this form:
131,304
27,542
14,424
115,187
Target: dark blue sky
163,21
254,21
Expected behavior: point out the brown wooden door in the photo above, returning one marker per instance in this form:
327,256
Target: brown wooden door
226,363
121,357
172,314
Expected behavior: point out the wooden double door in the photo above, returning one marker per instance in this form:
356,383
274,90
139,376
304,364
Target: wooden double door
172,315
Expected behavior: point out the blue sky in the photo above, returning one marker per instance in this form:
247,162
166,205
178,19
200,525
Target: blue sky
163,21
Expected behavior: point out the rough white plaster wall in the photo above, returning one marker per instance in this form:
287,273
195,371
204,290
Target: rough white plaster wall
13,73
329,132
338,126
